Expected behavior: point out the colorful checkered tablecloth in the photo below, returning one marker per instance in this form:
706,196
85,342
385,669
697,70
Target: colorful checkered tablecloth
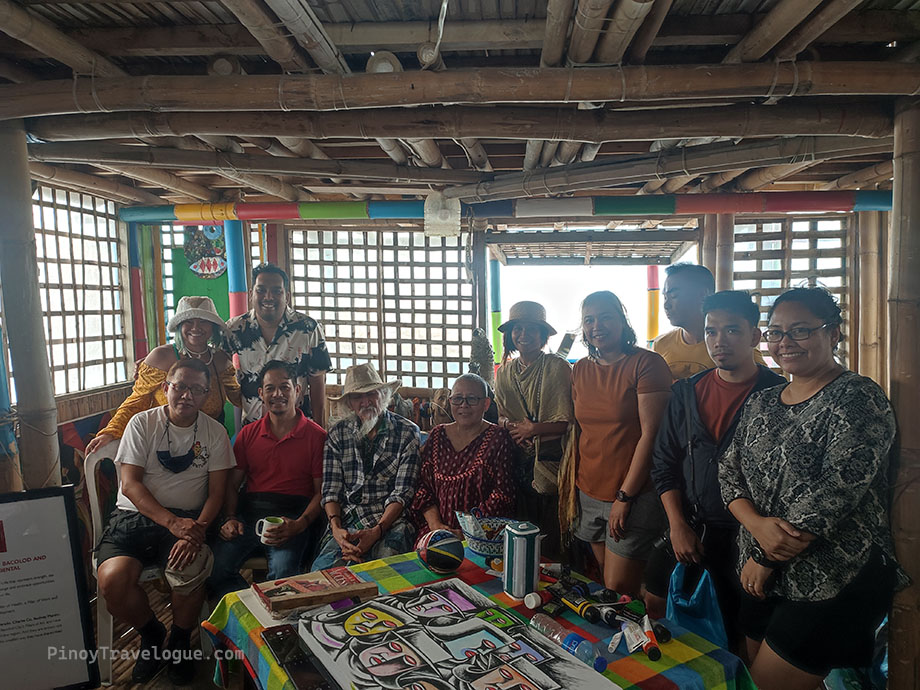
688,662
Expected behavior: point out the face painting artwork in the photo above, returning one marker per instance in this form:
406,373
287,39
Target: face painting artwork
441,635
205,251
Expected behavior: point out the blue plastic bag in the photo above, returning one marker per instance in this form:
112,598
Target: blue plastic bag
698,611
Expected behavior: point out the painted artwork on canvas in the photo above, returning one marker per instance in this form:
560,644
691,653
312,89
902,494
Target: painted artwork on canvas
444,635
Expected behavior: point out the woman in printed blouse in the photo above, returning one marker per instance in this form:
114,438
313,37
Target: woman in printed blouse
806,476
465,464
196,323
620,393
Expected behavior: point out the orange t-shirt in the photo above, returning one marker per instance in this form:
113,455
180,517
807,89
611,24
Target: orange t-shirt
719,401
607,410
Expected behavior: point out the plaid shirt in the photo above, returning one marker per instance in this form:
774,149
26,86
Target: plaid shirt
392,480
299,340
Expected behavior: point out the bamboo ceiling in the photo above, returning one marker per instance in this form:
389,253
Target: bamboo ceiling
114,89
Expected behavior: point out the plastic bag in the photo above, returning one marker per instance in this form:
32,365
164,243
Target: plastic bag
698,611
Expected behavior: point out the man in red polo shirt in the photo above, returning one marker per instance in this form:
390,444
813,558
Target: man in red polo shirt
281,459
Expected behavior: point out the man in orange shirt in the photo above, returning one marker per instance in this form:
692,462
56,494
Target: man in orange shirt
697,428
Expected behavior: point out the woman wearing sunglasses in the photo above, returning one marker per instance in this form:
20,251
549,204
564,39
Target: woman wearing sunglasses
806,476
465,464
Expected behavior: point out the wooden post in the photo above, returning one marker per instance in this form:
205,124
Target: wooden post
478,269
708,242
904,363
22,313
872,289
725,251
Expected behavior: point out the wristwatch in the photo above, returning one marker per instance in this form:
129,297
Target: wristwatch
624,497
759,556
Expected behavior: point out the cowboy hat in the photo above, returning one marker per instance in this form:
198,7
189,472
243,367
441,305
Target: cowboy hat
532,312
196,308
363,378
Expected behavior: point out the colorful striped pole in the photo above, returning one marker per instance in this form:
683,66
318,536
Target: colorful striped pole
236,266
145,234
653,291
141,347
495,293
158,285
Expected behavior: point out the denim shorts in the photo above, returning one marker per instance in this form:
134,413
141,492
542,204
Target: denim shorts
644,524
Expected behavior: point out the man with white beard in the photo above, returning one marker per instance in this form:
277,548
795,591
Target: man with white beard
370,471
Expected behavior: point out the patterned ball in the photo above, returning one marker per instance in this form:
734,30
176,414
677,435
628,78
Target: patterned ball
440,551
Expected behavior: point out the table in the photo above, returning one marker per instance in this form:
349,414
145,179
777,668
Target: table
688,661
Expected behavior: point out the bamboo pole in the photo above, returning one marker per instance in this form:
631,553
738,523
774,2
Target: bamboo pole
235,164
10,70
713,182
164,179
590,16
814,26
783,18
93,184
652,186
871,268
725,251
558,17
305,28
904,368
333,92
47,39
676,182
624,22
253,15
505,122
861,178
22,315
648,31
708,239
756,179
701,160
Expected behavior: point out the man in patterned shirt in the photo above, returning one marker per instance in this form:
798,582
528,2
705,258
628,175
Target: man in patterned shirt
271,330
370,471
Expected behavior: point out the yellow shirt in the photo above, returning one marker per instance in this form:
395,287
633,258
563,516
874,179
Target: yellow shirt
686,360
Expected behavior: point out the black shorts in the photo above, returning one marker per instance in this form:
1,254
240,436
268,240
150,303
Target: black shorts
818,636
131,534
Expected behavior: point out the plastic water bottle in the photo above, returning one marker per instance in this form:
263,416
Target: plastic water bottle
570,641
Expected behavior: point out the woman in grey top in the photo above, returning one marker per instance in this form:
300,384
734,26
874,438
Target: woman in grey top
806,476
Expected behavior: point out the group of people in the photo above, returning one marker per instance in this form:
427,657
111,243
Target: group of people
693,451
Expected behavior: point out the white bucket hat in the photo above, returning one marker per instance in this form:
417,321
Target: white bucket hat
196,308
363,378
193,575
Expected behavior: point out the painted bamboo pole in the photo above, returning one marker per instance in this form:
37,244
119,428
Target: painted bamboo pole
335,92
234,237
708,242
22,314
150,317
725,251
141,347
160,300
872,292
904,368
495,292
654,291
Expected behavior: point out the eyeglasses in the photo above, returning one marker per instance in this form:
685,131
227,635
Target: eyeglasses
182,389
458,400
775,335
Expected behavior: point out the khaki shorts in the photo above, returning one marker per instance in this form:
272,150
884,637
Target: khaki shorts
644,524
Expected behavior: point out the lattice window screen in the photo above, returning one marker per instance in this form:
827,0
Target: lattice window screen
80,251
775,254
256,246
393,297
172,239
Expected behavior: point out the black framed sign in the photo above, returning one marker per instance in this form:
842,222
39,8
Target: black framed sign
46,632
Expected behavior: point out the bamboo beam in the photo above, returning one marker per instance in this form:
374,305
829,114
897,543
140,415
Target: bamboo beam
872,293
253,15
590,16
332,92
861,178
800,38
476,153
567,152
622,26
783,18
14,73
268,185
48,40
236,163
305,28
558,17
756,179
93,184
700,160
646,34
22,317
677,182
904,368
161,178
652,186
508,122
725,251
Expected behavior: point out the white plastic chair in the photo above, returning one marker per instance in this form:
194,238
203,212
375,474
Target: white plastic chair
104,623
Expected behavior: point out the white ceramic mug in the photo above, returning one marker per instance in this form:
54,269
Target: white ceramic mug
265,524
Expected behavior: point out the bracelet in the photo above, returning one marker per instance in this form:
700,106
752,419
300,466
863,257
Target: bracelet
330,518
382,531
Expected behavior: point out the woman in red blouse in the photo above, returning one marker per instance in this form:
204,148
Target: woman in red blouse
465,464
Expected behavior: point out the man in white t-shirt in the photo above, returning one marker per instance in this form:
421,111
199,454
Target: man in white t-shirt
175,461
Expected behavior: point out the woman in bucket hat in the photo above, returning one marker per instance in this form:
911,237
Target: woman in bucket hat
534,397
196,325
